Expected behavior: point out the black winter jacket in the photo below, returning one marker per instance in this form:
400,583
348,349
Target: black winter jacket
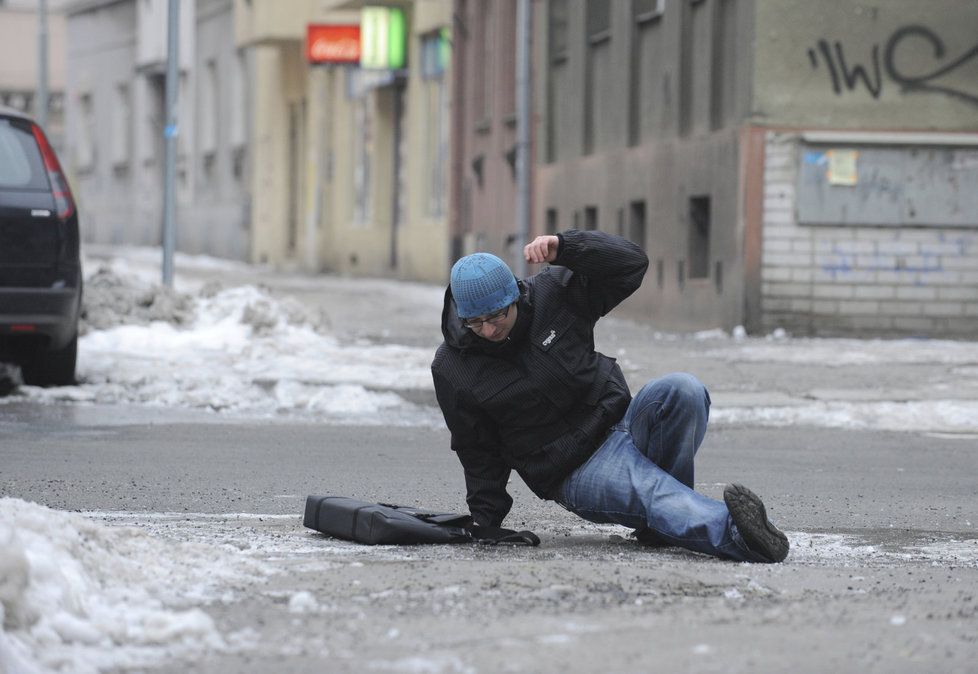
541,402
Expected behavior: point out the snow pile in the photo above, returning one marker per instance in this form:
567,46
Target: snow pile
78,596
944,416
849,352
236,350
110,300
242,351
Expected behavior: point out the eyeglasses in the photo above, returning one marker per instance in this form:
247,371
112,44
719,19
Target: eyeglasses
493,319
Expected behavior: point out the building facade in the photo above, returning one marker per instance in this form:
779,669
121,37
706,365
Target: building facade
279,161
116,63
864,198
484,130
784,164
20,56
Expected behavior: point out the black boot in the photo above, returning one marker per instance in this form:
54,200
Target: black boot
747,511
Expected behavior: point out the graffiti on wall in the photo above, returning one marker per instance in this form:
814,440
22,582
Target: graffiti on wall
841,263
848,75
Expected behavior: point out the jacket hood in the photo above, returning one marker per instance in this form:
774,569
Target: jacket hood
459,337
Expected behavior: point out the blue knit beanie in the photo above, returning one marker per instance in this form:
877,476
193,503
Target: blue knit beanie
482,284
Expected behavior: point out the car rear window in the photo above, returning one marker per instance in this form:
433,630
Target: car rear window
21,165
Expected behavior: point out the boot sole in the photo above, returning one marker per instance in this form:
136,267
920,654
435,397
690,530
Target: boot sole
749,515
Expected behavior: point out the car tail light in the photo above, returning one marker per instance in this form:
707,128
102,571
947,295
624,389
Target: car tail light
63,201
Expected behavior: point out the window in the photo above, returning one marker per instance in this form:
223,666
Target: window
506,48
647,10
653,75
591,218
598,20
551,221
362,139
184,143
598,35
208,110
695,74
557,75
699,237
482,95
238,131
636,223
237,114
644,12
121,126
557,30
85,146
685,84
435,53
722,71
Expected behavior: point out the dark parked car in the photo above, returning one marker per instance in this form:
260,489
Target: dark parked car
40,268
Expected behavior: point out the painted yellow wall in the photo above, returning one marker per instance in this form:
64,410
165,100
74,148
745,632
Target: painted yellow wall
279,81
356,248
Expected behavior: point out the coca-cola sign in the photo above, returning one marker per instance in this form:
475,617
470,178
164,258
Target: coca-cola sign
333,44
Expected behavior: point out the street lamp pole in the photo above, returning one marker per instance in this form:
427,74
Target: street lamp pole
41,106
523,89
170,139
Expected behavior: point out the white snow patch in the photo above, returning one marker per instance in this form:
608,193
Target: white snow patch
246,353
80,596
555,639
303,602
954,416
432,664
848,352
846,550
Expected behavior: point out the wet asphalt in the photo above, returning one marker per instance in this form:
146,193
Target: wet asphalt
587,600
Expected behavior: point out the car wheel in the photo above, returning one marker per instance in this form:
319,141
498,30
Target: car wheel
53,367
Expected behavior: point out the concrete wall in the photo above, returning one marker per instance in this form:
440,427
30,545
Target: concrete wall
828,279
668,94
901,64
116,116
485,191
883,264
423,240
279,92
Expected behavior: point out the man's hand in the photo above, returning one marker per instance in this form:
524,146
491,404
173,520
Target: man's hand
541,249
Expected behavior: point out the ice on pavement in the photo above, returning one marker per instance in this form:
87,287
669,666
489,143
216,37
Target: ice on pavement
242,351
85,593
81,596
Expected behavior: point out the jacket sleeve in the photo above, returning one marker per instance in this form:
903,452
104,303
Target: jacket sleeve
608,268
486,474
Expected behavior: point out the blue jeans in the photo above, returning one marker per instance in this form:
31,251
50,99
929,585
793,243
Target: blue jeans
642,474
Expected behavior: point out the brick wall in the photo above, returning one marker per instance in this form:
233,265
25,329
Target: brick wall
865,280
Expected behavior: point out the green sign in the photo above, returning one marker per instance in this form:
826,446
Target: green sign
383,38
